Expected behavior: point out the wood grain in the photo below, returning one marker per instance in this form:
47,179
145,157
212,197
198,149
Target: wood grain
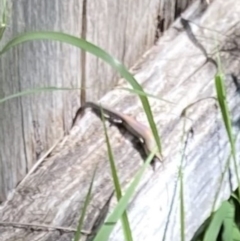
176,70
31,125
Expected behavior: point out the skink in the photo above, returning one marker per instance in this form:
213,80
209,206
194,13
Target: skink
134,127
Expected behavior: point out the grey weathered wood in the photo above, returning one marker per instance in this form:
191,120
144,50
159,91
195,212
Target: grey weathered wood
31,125
175,70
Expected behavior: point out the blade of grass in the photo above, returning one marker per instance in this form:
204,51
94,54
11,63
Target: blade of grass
222,178
222,100
213,229
86,202
125,222
2,29
138,92
228,223
221,96
34,91
181,191
182,212
3,17
106,229
199,234
220,182
236,232
93,49
184,111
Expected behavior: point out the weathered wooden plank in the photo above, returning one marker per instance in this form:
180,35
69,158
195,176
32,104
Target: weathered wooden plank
31,125
175,70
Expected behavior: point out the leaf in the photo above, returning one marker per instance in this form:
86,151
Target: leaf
221,96
106,229
34,91
236,233
216,222
125,222
87,200
228,223
138,92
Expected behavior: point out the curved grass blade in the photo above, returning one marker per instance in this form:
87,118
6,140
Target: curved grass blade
221,96
125,222
34,91
184,111
87,200
222,100
106,229
93,49
138,92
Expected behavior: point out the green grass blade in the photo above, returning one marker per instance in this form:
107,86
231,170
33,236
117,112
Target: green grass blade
222,100
184,111
226,168
87,200
125,222
221,96
106,229
236,233
93,49
218,189
200,232
34,91
3,18
180,176
228,223
2,29
182,212
213,229
138,92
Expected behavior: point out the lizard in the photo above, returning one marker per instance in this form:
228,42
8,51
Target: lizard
134,127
